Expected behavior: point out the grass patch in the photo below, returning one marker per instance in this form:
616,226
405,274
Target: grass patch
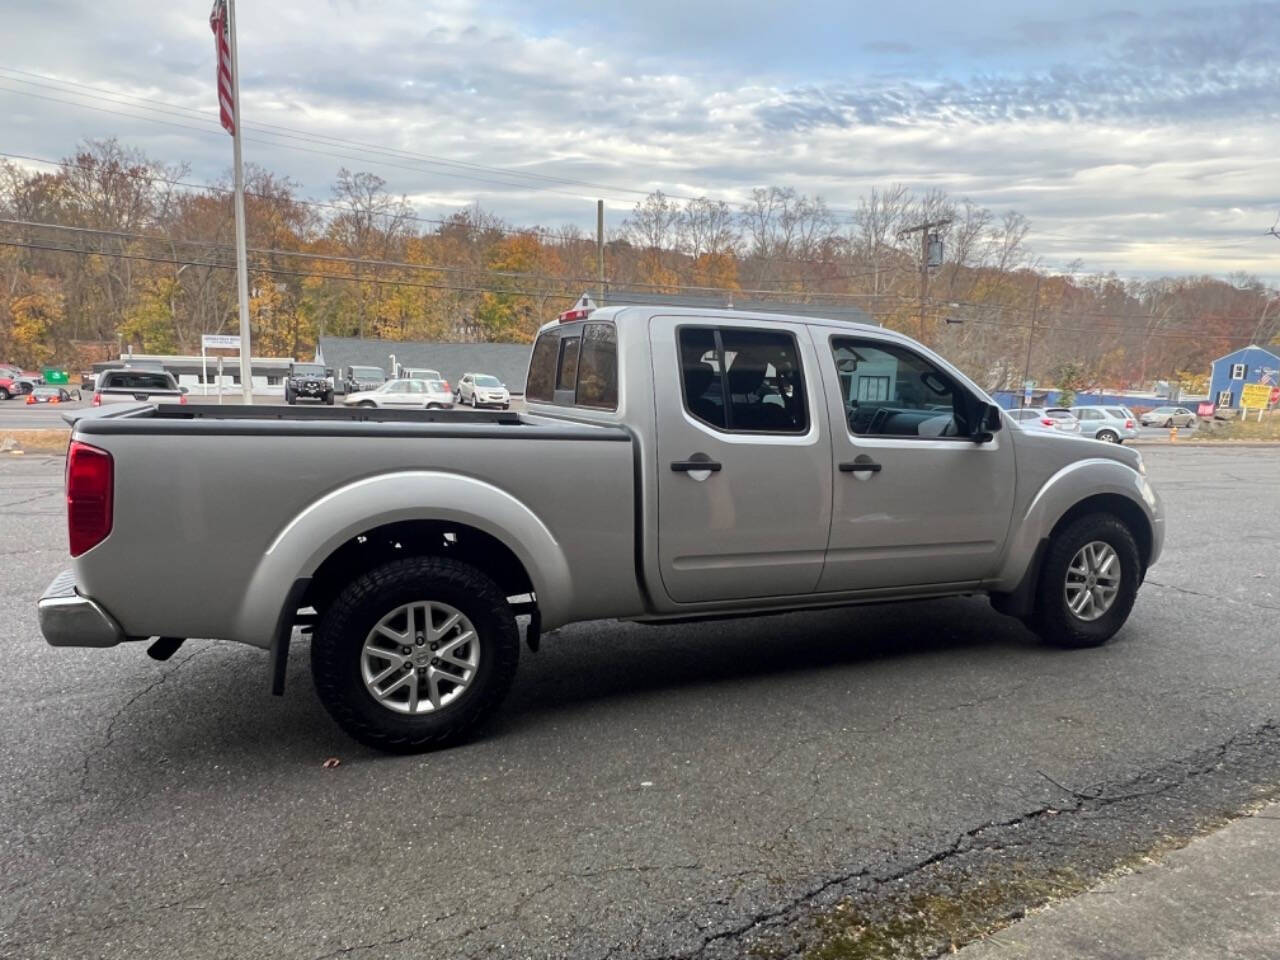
34,441
1250,429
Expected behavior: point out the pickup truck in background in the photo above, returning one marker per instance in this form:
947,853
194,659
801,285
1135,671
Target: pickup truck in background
675,464
133,385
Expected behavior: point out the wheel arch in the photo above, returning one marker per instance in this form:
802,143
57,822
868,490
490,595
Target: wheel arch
404,514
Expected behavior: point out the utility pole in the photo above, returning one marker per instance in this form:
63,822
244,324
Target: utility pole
1031,334
927,236
600,250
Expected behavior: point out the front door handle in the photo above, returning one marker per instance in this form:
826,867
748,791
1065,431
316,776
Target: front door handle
858,466
684,466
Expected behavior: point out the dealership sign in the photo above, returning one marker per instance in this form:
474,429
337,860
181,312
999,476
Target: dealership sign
219,341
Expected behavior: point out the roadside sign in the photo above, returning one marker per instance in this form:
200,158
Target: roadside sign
1027,387
219,341
1254,396
54,376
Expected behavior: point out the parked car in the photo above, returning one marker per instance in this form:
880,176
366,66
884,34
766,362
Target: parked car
358,379
51,395
483,390
1038,418
308,381
15,382
1110,424
1065,418
675,464
132,386
1169,417
402,395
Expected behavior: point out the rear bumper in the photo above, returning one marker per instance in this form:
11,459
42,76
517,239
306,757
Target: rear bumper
68,619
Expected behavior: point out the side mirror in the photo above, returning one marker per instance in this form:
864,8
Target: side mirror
185,389
989,421
328,371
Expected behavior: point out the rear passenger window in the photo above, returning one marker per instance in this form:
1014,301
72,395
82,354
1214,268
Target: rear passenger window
743,380
598,367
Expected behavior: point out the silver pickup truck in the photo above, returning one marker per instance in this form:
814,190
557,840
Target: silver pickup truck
675,464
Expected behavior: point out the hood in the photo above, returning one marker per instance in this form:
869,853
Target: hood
1061,448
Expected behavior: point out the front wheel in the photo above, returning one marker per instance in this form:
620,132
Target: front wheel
4,393
415,654
367,404
1088,582
473,401
1168,423
290,397
328,398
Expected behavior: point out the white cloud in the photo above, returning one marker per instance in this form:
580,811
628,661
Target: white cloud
1136,141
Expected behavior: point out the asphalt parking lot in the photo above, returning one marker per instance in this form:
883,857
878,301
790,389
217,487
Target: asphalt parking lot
644,792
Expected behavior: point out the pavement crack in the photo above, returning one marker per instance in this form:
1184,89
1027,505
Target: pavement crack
109,736
1210,596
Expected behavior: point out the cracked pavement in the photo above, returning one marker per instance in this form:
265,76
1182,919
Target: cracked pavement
645,792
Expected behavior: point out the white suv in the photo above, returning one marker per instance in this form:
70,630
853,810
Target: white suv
483,390
1112,424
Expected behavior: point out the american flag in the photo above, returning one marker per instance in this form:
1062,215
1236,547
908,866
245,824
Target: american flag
222,48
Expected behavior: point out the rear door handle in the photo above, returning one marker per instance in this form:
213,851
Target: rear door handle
684,466
858,467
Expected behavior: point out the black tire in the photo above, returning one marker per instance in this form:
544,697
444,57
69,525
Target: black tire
4,393
1168,423
289,396
328,398
1052,619
367,405
473,401
1109,436
340,636
506,406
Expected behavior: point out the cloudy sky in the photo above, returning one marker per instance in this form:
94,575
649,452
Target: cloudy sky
1141,137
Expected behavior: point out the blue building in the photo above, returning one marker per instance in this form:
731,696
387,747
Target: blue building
1251,364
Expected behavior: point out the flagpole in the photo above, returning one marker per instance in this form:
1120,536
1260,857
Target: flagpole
242,265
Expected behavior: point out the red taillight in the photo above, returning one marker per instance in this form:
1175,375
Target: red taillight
182,398
90,490
31,398
447,388
1048,421
97,400
1128,424
570,315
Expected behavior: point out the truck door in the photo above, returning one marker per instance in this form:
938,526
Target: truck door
743,459
917,502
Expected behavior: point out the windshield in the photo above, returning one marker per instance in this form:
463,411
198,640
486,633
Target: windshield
484,380
308,370
368,373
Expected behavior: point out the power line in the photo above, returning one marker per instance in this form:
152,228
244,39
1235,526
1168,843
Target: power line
192,112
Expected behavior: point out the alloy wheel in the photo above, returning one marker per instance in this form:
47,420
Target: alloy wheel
420,657
1093,580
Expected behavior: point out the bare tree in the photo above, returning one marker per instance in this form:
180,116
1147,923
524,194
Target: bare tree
879,218
707,227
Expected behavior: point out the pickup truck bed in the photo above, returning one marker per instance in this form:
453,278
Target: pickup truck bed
182,517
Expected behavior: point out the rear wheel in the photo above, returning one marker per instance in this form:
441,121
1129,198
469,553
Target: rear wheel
1088,582
328,397
289,396
415,654
1110,436
1168,423
4,393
